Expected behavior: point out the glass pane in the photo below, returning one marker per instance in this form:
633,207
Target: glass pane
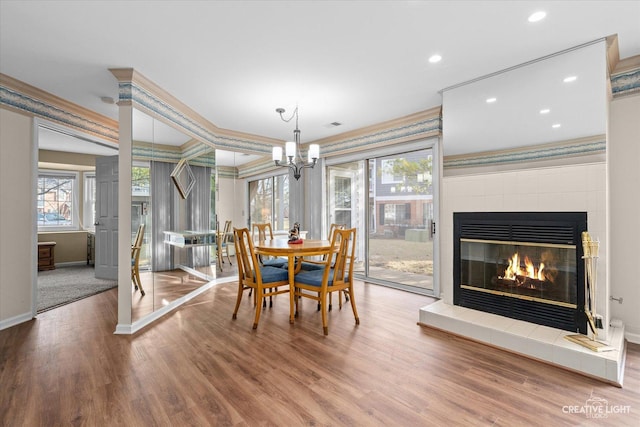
261,200
55,200
401,216
281,203
544,272
347,203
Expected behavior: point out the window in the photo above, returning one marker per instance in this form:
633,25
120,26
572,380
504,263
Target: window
389,175
269,201
57,200
396,213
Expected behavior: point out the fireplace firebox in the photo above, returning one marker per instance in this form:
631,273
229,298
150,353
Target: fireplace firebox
522,265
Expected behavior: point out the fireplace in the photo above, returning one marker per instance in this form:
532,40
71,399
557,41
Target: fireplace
522,265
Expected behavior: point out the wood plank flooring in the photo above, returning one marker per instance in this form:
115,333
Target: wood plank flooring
196,366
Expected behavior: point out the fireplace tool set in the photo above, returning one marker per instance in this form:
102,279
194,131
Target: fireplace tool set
590,250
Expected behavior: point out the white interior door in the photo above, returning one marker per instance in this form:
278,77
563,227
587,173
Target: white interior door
106,263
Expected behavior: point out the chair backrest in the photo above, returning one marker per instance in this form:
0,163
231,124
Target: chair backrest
345,241
137,245
139,236
226,232
245,255
260,231
333,227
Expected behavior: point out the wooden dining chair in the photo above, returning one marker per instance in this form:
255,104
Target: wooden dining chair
309,264
222,244
136,248
319,265
263,280
261,232
336,276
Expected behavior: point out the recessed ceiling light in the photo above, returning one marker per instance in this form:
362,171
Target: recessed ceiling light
435,58
537,16
570,79
555,126
545,111
491,100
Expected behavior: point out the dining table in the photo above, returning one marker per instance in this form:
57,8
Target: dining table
293,251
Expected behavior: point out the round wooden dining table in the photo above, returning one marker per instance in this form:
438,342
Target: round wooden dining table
282,248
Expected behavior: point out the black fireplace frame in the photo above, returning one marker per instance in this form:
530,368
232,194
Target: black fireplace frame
538,227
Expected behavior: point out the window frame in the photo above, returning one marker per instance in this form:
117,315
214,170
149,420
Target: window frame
74,202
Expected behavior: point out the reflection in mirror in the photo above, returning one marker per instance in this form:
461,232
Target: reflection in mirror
177,254
561,97
231,203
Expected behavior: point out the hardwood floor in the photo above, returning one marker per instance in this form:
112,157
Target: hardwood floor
196,366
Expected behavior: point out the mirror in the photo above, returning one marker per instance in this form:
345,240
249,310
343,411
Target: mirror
173,198
561,97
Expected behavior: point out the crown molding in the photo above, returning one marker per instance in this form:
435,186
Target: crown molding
423,124
26,99
147,96
625,80
576,147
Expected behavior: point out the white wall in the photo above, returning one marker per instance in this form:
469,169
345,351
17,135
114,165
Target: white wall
624,212
579,187
17,221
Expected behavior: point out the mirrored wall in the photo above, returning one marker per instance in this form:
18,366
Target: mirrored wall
173,208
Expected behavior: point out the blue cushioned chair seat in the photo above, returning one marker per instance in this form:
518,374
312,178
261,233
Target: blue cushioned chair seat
273,274
309,266
275,262
314,277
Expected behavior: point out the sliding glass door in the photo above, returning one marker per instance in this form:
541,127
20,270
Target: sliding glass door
390,200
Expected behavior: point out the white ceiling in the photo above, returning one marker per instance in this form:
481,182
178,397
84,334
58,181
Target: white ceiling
353,62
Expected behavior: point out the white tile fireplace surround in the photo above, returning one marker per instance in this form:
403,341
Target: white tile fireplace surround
573,188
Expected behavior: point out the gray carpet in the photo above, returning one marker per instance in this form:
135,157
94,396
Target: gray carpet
67,284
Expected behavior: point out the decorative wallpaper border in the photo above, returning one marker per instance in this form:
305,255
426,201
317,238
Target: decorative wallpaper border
625,83
527,154
425,128
227,172
39,108
144,152
129,91
622,84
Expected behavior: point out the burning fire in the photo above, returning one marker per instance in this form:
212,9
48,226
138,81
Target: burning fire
514,269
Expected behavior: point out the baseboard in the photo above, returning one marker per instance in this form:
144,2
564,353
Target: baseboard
147,320
631,337
122,329
16,320
70,263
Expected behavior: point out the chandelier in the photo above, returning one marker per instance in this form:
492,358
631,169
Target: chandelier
292,150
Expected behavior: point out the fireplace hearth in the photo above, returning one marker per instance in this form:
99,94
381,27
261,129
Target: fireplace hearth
522,265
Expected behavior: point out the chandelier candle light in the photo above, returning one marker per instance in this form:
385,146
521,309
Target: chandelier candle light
292,150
